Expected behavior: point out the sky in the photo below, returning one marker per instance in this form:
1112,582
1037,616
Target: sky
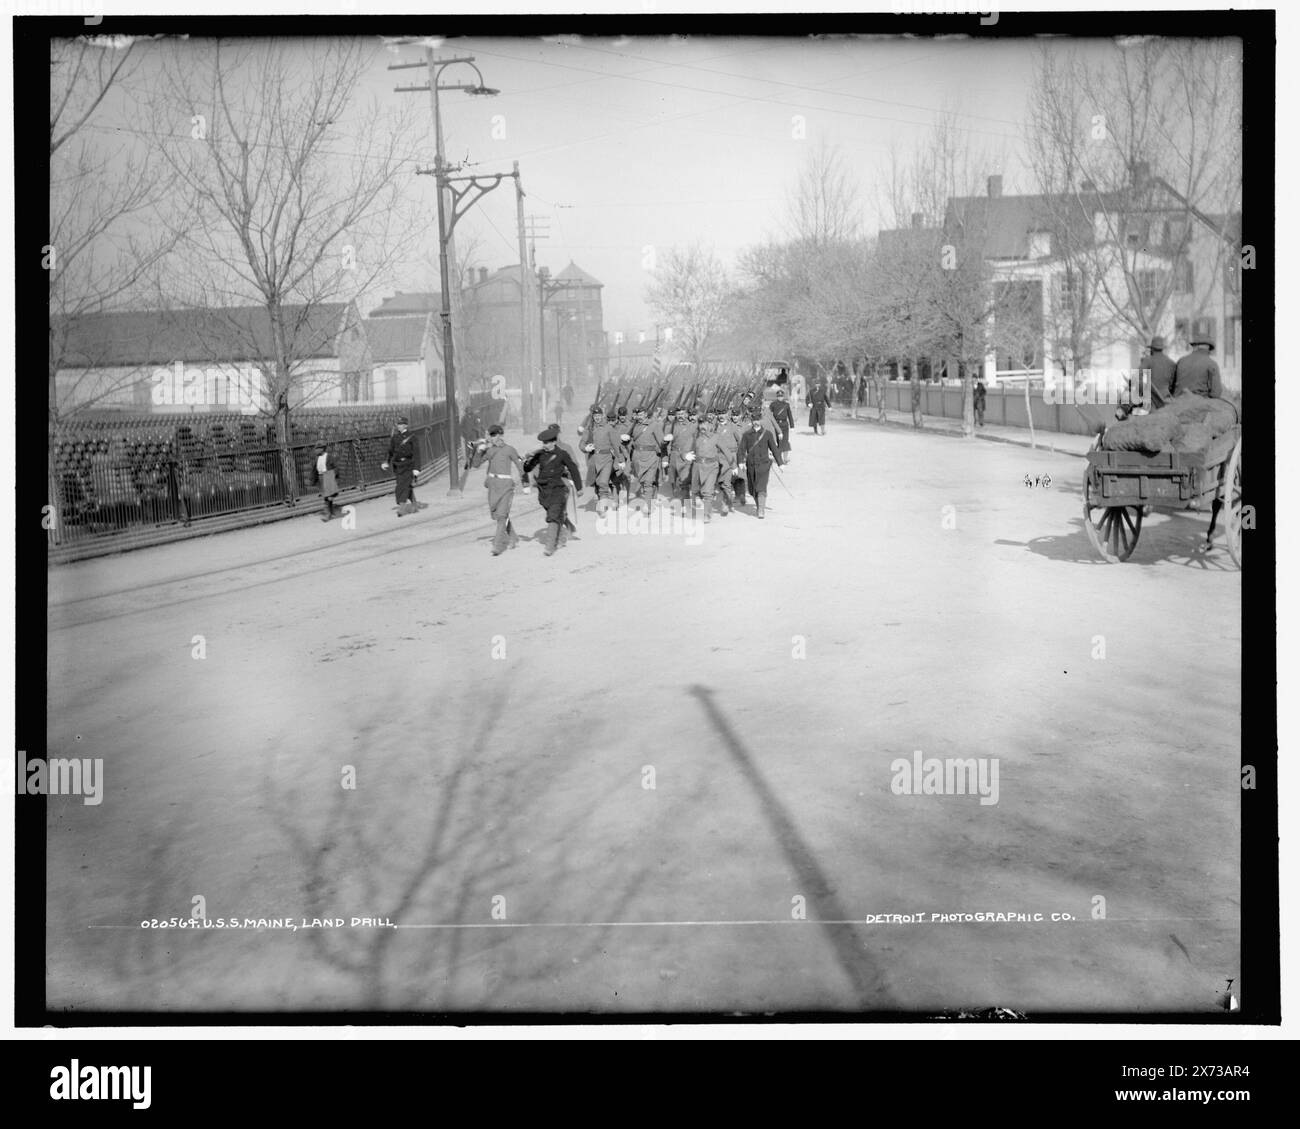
626,144
630,146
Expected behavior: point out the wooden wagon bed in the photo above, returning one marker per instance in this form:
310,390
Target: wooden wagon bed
1120,487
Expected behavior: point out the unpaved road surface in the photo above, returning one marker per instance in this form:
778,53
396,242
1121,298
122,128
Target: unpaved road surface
653,772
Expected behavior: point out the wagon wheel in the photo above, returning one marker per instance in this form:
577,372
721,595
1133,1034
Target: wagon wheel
1113,530
1232,504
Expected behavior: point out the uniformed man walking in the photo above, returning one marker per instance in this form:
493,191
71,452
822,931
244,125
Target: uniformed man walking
1197,372
401,457
728,440
646,448
784,422
818,401
500,482
758,450
682,443
603,451
620,479
552,466
706,465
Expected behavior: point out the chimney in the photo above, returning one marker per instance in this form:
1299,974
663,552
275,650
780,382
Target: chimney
995,187
918,219
482,274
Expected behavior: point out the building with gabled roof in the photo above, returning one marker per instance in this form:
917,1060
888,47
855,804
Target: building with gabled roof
405,359
204,358
1174,249
403,304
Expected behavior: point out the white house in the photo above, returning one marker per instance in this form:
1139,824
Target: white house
1147,237
404,360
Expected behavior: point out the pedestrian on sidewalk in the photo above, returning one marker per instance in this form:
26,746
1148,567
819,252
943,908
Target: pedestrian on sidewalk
818,400
500,483
471,431
552,485
981,394
324,474
401,457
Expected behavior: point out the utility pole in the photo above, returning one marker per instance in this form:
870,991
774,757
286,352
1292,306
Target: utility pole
447,217
525,322
541,311
536,229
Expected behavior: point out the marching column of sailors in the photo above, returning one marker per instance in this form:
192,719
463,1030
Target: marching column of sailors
687,455
690,455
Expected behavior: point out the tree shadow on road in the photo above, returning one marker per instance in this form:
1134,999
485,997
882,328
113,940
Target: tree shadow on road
437,854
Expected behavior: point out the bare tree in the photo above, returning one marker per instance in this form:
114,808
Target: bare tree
959,306
825,205
1137,151
689,290
104,242
289,212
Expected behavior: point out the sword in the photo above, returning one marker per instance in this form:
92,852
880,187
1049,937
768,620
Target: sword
781,480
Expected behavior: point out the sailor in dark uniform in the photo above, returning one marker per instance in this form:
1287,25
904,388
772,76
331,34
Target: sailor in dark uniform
401,457
552,465
784,421
758,450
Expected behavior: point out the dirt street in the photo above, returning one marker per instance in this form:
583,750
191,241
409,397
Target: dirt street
657,771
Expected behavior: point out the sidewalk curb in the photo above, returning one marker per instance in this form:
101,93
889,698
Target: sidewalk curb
308,505
954,433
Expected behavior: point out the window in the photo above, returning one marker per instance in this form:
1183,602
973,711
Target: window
1185,277
1068,289
1148,284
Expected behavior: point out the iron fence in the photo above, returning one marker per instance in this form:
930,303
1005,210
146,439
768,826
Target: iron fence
112,476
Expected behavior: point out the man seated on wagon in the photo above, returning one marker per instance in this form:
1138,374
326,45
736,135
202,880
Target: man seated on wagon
1197,372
